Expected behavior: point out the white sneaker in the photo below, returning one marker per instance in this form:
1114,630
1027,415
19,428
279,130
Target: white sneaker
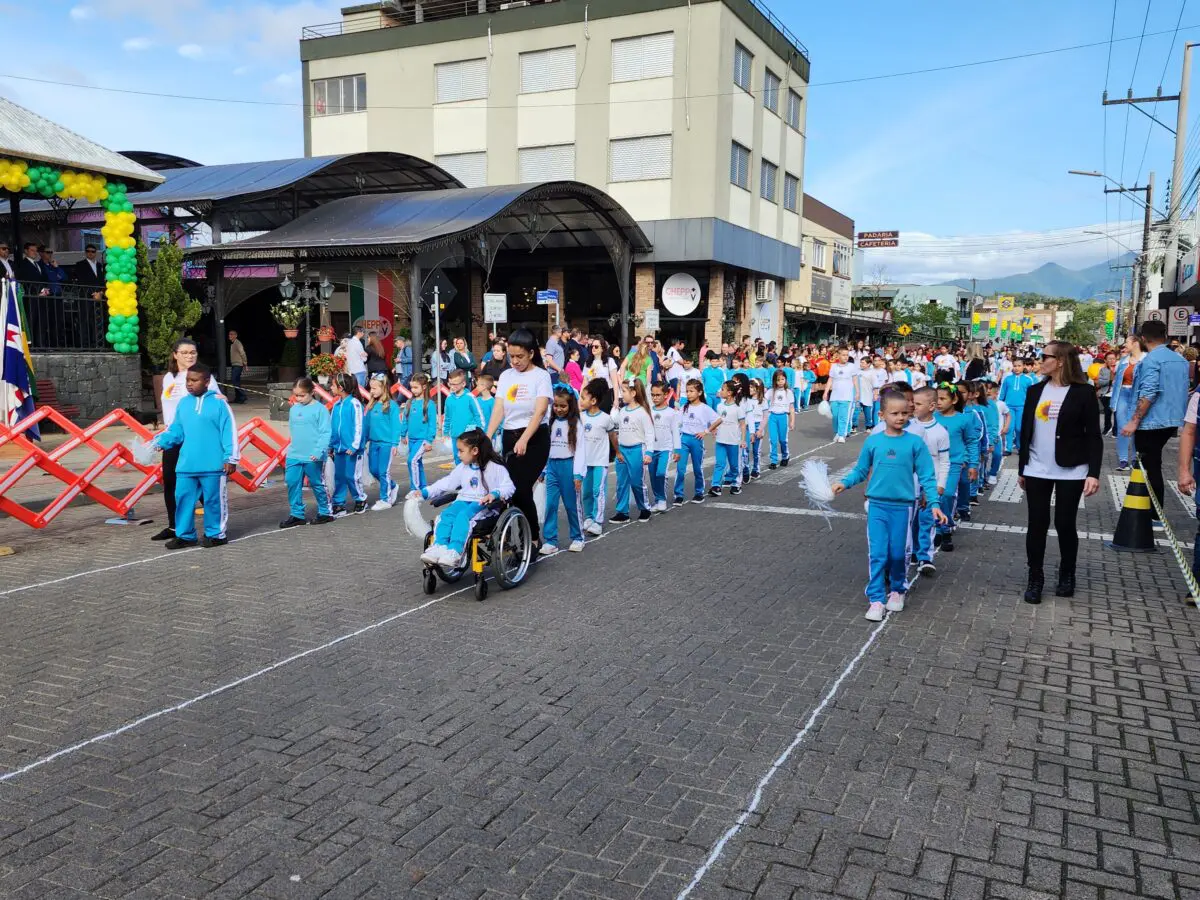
393,495
875,612
547,549
380,506
594,528
433,555
991,479
839,439
660,506
587,524
576,547
451,559
895,602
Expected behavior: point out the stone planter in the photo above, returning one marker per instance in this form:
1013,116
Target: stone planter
280,394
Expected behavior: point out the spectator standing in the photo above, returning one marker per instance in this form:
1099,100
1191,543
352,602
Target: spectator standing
439,363
554,354
6,266
356,356
237,364
601,365
55,277
88,272
1104,389
377,362
403,365
1160,395
495,362
461,358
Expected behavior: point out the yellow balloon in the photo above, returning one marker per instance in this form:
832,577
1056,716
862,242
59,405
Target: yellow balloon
1093,371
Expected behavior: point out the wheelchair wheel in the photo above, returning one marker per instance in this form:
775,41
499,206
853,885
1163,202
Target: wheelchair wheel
481,588
451,576
511,548
429,581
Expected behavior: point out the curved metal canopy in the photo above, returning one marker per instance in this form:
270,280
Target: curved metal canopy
261,196
555,215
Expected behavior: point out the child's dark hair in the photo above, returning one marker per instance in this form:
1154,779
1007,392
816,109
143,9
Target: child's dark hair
422,379
639,392
981,389
702,400
954,392
201,369
733,387
776,376
477,439
897,387
304,383
347,383
572,413
742,380
600,391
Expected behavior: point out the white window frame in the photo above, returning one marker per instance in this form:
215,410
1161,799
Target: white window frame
650,56
542,71
358,94
459,69
653,153
737,152
771,86
746,58
791,184
818,254
793,115
841,259
447,161
768,178
529,159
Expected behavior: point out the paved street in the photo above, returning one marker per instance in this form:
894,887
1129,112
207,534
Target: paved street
693,702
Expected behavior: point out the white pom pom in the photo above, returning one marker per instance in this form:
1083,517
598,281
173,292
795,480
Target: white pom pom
145,453
824,409
414,522
816,484
539,500
448,446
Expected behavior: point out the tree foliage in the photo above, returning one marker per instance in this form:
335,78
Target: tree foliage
166,307
1085,326
927,317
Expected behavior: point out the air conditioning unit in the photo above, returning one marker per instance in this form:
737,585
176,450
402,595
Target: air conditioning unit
515,4
764,290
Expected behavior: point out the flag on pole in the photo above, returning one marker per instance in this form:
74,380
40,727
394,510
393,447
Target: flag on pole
16,391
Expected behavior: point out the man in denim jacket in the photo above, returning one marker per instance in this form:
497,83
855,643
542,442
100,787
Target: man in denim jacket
1160,390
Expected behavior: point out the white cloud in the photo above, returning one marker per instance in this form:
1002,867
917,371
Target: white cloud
137,43
285,79
241,70
191,51
929,259
81,13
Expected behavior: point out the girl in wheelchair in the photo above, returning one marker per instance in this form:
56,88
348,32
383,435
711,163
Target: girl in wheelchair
480,478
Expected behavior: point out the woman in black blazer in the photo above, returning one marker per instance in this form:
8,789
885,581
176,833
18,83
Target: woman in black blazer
1061,452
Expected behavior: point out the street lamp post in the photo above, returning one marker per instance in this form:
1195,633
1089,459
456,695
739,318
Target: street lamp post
308,293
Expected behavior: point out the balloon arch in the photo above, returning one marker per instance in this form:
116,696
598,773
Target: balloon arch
22,176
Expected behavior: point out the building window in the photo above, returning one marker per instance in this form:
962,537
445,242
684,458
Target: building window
648,56
743,65
464,80
766,184
640,159
548,70
793,110
555,163
469,168
333,96
818,254
841,259
739,166
791,192
771,92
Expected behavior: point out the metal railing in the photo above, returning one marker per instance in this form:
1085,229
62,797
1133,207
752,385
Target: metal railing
65,317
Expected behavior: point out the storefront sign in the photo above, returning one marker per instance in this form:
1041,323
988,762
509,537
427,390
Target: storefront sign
1178,324
822,291
840,296
650,321
495,308
681,294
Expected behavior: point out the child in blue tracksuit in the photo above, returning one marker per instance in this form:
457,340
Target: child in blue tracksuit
418,426
994,454
964,456
968,495
695,419
713,377
1013,389
346,444
383,434
309,426
565,470
478,479
730,429
780,418
485,390
205,430
937,441
667,444
461,410
893,459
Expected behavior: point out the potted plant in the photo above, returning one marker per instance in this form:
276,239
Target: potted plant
324,366
289,314
289,361
167,310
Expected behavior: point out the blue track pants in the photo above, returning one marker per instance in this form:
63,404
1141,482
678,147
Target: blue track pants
560,485
889,538
190,487
297,471
631,473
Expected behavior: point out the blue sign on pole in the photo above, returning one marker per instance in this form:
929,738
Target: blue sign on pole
547,298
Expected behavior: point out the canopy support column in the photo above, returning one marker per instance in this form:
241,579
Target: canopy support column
414,314
216,277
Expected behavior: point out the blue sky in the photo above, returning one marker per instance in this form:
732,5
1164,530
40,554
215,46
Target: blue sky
969,164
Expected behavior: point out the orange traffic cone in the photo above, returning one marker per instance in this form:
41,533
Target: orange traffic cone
1134,531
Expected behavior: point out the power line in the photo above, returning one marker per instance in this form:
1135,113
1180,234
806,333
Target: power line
1112,30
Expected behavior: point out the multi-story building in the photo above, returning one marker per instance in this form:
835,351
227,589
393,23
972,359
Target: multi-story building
689,113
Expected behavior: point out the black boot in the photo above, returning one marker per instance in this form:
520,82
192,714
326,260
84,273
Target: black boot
1033,591
1066,585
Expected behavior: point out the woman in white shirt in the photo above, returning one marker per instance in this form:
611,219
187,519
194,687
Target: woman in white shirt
601,365
523,396
174,388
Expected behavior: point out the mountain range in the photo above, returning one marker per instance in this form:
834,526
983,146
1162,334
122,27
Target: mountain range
1054,280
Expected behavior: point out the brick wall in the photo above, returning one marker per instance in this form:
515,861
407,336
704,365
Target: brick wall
479,328
716,299
644,295
554,282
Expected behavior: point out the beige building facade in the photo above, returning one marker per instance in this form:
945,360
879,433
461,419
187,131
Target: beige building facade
689,114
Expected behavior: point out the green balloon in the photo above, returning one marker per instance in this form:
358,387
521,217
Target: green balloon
133,319
117,320
127,206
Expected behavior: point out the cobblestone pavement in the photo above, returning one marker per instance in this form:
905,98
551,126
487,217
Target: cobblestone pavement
692,702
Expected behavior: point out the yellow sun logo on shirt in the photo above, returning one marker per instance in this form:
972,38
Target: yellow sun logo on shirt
1043,411
513,391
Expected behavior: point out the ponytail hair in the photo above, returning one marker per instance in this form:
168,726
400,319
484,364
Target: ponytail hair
955,394
527,340
639,392
572,413
422,379
601,391
699,390
477,439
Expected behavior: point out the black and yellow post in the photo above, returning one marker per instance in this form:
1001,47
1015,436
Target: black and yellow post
1134,529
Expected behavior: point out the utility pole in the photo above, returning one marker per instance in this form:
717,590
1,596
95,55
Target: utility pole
1141,281
1172,262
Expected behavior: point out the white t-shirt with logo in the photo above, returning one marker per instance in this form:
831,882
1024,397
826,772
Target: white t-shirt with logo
1045,426
731,417
596,429
841,381
519,391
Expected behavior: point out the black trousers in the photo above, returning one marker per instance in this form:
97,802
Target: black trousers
526,470
170,459
1106,406
1149,445
1067,495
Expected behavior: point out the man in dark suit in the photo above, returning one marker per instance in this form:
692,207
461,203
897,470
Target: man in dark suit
88,276
32,278
88,272
29,271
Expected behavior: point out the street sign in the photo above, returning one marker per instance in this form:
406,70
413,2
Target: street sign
1194,319
904,330
650,320
495,308
1007,302
439,286
1156,315
547,298
1178,324
878,242
878,235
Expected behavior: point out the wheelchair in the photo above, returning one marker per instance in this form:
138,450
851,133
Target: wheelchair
500,539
